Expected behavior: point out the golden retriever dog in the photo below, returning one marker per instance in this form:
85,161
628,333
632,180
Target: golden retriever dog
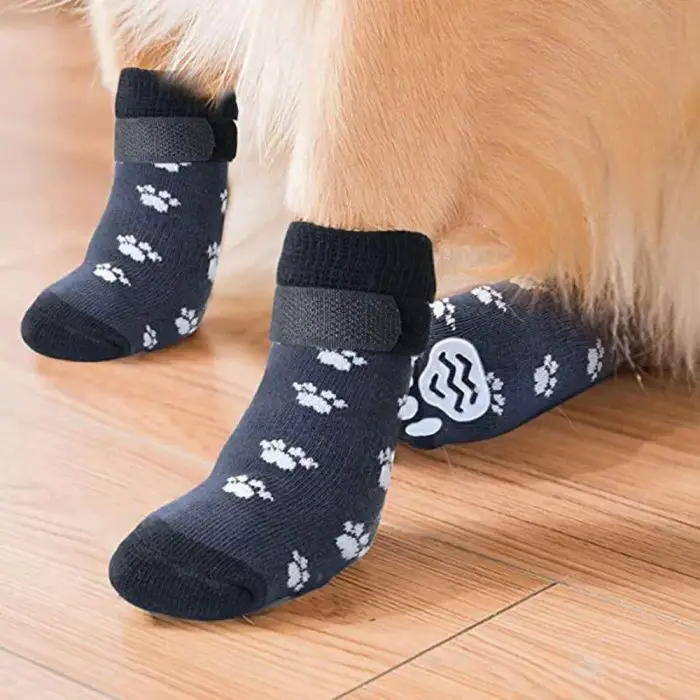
557,139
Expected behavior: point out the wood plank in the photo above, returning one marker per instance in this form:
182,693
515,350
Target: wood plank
23,680
641,446
70,496
558,645
561,533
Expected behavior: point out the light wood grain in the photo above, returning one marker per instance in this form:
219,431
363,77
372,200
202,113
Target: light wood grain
635,433
22,680
559,645
70,496
603,495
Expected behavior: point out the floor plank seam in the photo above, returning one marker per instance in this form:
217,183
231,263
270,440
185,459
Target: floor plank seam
452,637
643,609
56,672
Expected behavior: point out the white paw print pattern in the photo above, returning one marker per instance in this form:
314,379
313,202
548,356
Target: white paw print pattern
498,401
545,377
386,462
161,201
408,407
355,542
488,295
323,402
139,251
595,360
150,338
444,309
110,273
213,252
285,457
171,167
188,321
297,572
246,488
224,201
342,360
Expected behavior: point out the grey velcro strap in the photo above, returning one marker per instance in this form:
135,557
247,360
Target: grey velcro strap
163,140
335,319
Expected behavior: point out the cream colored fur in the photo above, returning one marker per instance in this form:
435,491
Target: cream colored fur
564,135
103,34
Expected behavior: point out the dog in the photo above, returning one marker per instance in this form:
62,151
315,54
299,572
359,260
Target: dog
550,139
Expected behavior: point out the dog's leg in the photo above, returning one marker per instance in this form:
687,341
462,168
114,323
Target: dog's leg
374,146
385,109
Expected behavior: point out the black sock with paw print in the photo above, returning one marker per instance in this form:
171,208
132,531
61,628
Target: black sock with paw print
500,355
297,492
149,268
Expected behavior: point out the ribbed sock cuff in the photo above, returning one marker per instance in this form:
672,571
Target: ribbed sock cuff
394,263
143,93
398,263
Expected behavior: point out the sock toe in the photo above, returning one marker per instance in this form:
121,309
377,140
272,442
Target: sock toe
164,572
53,328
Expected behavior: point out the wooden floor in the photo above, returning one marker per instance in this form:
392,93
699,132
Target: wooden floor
561,561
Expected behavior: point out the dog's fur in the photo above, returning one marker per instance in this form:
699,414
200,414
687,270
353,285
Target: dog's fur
563,134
